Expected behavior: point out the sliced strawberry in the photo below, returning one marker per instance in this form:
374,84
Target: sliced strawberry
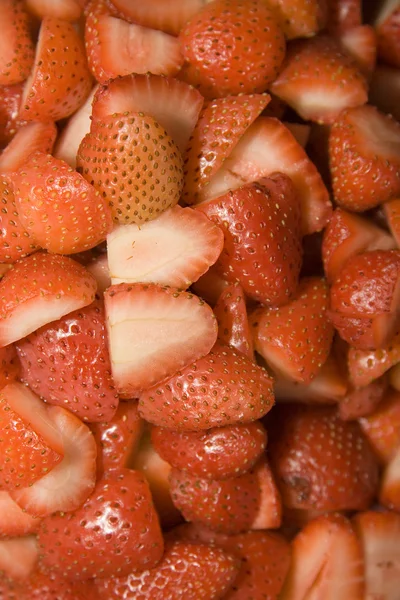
384,90
50,586
364,299
210,286
382,427
364,151
9,365
319,461
223,388
174,104
361,402
49,287
360,43
30,138
14,522
387,26
211,48
233,324
348,234
68,10
318,80
187,243
367,365
141,353
220,126
379,533
327,562
10,99
389,493
16,49
300,18
117,524
265,259
133,162
18,557
187,570
344,15
218,453
60,81
295,339
266,148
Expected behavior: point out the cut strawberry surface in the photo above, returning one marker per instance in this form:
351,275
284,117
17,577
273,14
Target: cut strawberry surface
15,522
68,10
233,324
49,287
18,557
382,427
153,331
187,245
172,103
360,43
266,148
16,46
60,81
30,138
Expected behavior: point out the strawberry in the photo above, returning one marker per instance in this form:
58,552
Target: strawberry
379,533
58,207
247,502
344,15
68,10
262,248
66,363
49,286
364,152
367,365
187,571
50,586
319,461
141,353
392,214
389,493
132,161
364,298
10,99
17,52
187,244
300,18
327,562
361,402
98,267
382,427
384,90
18,557
220,126
360,43
9,365
14,522
348,234
211,48
268,147
217,453
223,388
29,139
387,26
295,339
210,285
115,532
233,323
60,81
318,80
174,104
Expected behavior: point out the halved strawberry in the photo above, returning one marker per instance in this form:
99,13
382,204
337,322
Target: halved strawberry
172,103
384,91
175,249
233,323
300,18
68,10
18,557
268,147
16,48
49,286
143,353
30,138
387,26
327,562
361,402
318,80
220,126
223,388
60,81
15,522
367,365
389,493
360,43
295,339
10,99
344,15
382,427
364,152
217,453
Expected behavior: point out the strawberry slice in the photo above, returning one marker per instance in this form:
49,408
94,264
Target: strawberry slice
187,570
319,461
344,15
327,562
30,138
10,100
76,373
49,287
367,365
142,354
348,234
14,522
147,173
379,533
385,90
18,557
382,428
387,26
318,80
123,535
217,453
266,260
174,104
364,299
220,126
360,43
240,390
233,323
187,244
364,152
268,147
295,339
16,48
211,48
299,18
389,493
68,10
361,402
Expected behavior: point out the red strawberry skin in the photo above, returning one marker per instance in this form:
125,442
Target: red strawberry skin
16,54
9,365
67,364
233,323
10,99
113,533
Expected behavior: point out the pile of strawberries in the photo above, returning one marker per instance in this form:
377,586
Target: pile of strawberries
200,218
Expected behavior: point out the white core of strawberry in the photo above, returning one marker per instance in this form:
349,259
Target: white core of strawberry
24,143
18,556
378,134
13,520
269,511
